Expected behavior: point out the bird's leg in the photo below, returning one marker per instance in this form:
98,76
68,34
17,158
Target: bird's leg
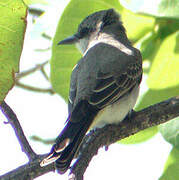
130,115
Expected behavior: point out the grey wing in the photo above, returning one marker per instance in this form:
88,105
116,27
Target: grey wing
110,88
73,88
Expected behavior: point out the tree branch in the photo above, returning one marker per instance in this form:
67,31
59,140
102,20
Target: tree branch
32,169
13,121
148,117
29,171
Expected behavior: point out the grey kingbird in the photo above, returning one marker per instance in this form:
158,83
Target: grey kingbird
104,84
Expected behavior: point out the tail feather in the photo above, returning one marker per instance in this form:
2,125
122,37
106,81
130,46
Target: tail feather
69,140
68,154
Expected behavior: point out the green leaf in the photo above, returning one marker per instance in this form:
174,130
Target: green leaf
149,46
12,28
140,136
172,166
170,131
169,8
164,71
65,57
160,8
143,24
153,96
151,42
166,27
30,2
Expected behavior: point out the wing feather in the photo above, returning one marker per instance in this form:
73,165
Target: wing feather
110,89
104,83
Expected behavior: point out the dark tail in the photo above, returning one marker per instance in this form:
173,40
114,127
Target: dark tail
69,140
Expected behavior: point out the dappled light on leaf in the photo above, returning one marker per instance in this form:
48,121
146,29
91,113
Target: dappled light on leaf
12,29
172,166
170,132
164,71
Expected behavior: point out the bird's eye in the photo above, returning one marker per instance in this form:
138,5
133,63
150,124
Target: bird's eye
84,31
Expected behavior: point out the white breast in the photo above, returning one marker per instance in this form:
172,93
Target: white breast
116,112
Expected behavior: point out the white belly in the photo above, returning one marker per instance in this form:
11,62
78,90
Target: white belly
116,112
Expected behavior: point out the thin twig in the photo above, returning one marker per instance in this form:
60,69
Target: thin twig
30,71
35,11
44,73
43,50
44,141
46,36
13,121
36,89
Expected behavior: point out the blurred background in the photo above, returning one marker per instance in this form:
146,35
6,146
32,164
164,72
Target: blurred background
39,98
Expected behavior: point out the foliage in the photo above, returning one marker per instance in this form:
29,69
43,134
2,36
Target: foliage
155,33
12,30
154,30
172,166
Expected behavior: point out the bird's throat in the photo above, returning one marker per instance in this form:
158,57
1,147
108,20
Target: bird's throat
107,39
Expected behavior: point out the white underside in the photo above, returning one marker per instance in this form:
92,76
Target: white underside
116,112
85,44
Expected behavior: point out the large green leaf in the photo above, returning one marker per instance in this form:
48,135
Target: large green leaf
171,170
149,46
136,25
160,8
153,96
65,57
169,8
166,26
12,29
151,42
164,72
170,131
30,2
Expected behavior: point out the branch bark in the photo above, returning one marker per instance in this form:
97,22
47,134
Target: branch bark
13,121
148,117
29,171
32,169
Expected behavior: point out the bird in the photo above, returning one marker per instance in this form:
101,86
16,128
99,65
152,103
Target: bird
104,83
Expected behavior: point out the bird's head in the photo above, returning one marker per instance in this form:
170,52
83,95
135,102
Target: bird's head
91,27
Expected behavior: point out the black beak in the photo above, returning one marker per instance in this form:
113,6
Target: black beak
70,40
